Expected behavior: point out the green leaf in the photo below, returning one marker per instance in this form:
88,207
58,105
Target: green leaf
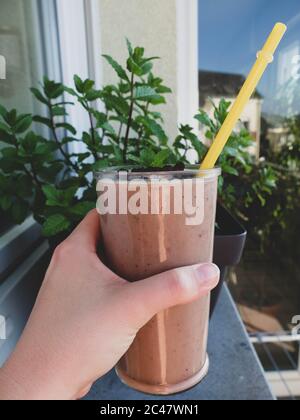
161,158
101,164
163,89
196,143
52,89
231,151
109,128
9,152
133,67
93,95
144,92
11,117
5,202
50,173
229,169
147,157
82,156
67,127
88,85
129,47
78,84
23,123
45,148
29,143
4,127
42,120
146,68
56,224
157,100
5,137
117,103
3,111
20,211
138,54
54,197
117,67
157,130
204,119
81,209
59,111
39,96
11,165
101,118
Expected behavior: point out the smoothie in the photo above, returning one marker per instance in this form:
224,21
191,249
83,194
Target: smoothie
169,353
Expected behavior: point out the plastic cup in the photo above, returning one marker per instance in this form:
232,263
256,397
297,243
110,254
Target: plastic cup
169,354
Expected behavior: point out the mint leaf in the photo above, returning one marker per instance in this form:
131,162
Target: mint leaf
82,209
55,224
117,67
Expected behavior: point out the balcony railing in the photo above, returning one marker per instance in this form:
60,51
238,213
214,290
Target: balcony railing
284,375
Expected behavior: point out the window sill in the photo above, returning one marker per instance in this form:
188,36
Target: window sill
17,296
16,244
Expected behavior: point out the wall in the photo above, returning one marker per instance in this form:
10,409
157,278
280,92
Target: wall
151,24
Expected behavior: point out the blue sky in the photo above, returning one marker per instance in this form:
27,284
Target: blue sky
232,31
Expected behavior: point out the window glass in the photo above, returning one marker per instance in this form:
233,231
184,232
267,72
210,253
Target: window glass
25,27
266,284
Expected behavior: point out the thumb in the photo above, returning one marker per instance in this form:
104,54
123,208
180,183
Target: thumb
172,288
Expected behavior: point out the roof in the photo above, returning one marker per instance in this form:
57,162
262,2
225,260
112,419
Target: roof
221,85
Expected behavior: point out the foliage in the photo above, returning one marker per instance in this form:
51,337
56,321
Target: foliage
38,174
264,194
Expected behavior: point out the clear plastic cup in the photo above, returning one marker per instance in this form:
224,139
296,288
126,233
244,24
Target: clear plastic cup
169,354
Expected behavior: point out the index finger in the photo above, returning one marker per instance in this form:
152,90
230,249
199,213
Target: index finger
87,233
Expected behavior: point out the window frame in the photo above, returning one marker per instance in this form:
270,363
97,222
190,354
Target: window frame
187,61
76,25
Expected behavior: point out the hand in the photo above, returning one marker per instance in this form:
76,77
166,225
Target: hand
86,317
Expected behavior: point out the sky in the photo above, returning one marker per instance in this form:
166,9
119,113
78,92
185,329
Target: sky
232,31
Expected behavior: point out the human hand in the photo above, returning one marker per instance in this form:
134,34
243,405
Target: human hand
86,318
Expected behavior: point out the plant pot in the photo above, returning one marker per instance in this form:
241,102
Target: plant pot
229,245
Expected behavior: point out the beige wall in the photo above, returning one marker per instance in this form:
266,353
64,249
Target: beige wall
147,23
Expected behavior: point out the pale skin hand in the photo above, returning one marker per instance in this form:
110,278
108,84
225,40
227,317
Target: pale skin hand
86,317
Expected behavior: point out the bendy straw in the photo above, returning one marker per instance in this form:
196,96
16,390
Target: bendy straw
264,57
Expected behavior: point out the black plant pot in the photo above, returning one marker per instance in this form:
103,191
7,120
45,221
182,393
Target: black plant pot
230,241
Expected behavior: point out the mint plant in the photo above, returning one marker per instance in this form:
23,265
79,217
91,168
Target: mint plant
39,174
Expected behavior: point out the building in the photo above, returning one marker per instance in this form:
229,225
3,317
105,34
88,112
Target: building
213,86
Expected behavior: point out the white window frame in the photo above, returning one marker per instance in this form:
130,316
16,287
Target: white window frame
187,61
79,41
79,34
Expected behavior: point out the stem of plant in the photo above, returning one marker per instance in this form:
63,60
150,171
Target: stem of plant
65,155
35,177
31,174
92,132
120,132
126,139
141,131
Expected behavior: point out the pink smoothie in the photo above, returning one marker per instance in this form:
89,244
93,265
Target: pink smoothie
170,353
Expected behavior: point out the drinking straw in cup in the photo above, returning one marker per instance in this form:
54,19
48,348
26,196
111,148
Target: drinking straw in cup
264,57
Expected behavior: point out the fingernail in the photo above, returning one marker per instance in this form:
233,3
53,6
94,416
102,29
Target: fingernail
208,274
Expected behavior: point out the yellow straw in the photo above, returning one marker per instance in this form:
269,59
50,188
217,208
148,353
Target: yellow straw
264,57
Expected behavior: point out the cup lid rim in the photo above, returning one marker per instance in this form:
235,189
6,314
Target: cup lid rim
192,169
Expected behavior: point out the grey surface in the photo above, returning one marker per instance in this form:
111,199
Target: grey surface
235,372
17,296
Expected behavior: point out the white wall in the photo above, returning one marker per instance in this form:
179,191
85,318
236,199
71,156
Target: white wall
151,24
